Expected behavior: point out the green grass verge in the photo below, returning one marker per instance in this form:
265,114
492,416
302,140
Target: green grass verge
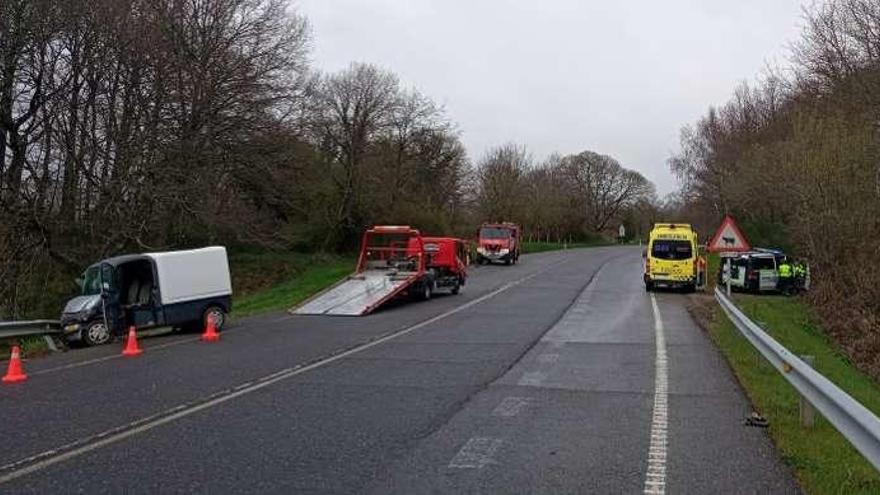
265,282
822,458
541,246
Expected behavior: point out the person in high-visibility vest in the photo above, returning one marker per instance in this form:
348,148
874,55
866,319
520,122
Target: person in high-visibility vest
800,275
785,274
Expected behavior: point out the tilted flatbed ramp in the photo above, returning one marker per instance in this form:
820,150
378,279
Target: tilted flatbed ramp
357,295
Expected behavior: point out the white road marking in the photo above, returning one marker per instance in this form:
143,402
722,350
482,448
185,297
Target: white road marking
511,406
82,446
532,379
655,479
117,355
478,452
548,358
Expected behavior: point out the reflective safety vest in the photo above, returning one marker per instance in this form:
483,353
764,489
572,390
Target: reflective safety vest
800,270
785,270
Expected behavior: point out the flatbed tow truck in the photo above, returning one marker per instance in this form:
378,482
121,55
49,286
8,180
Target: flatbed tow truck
394,261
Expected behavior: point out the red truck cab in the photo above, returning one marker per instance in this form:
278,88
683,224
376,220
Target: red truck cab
498,242
447,260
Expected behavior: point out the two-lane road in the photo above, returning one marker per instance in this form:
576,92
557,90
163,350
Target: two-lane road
556,375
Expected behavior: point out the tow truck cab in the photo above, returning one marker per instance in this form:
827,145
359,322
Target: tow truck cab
498,242
447,261
671,258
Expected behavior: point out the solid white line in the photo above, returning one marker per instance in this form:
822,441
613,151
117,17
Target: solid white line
655,479
77,448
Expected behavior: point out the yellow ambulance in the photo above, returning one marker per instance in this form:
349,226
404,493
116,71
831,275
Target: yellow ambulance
671,258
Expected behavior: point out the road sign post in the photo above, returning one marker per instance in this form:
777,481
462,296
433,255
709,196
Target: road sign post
729,273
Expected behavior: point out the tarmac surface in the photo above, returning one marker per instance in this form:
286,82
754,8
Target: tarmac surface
556,375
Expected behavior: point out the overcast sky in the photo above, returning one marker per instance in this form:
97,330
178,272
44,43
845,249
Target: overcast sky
619,78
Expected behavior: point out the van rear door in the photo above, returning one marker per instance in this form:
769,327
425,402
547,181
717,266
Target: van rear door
672,259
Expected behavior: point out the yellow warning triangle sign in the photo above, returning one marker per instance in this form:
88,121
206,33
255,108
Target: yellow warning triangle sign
728,238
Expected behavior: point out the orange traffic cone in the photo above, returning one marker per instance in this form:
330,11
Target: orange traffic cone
15,372
210,334
131,343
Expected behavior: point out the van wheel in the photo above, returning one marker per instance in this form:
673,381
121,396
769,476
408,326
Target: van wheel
218,314
96,333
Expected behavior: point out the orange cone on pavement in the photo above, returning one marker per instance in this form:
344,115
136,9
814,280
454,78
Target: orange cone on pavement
131,343
15,372
210,334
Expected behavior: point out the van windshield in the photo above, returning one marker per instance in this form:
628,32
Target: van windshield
91,281
494,233
671,250
763,264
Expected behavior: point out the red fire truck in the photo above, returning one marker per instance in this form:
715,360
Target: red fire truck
498,242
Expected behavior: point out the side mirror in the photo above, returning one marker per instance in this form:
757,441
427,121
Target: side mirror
79,281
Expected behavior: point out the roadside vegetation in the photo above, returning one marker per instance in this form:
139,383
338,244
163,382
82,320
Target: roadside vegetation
130,126
794,158
822,458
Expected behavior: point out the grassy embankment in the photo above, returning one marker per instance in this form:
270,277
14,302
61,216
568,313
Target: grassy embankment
822,458
265,282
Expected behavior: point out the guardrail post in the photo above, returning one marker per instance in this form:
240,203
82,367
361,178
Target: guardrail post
50,343
807,412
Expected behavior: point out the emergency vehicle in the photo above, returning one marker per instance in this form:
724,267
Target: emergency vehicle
671,258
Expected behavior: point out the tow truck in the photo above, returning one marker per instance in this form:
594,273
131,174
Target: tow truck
394,261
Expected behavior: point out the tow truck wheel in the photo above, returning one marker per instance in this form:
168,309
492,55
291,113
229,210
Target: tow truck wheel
457,287
426,291
96,333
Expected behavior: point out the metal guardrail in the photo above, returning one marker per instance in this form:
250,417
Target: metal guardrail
46,328
853,420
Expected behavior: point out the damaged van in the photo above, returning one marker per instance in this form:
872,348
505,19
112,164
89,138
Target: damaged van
179,289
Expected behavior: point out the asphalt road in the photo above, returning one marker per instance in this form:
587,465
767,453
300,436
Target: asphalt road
557,375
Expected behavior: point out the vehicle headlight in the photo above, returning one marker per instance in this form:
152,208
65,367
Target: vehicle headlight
481,250
503,251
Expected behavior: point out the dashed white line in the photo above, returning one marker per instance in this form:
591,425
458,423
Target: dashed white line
548,358
511,406
478,452
655,479
532,379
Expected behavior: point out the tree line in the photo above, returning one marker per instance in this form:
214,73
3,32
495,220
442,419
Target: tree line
139,125
795,158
